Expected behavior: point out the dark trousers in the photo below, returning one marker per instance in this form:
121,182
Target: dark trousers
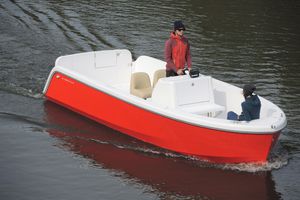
232,116
170,73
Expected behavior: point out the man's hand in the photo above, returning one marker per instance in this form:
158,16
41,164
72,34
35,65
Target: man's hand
180,72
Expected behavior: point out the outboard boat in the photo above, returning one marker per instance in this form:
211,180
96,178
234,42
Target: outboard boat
185,114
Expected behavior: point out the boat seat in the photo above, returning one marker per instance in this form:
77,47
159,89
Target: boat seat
140,85
208,109
161,73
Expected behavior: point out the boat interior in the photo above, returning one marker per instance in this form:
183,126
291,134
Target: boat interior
144,81
199,96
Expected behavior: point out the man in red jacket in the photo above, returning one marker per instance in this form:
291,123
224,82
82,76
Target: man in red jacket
177,51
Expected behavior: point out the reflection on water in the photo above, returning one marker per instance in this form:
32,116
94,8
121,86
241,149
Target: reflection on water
167,176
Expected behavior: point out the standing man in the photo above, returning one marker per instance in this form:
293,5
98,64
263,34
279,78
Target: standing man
177,51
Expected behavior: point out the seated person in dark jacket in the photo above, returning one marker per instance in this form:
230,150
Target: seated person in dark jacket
250,107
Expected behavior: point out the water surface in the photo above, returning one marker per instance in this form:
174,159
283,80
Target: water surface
47,151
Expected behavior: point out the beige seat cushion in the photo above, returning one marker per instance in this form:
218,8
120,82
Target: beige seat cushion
140,85
157,75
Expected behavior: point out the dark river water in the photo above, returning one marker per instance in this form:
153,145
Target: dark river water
48,152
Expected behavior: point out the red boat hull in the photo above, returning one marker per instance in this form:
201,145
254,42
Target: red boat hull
209,144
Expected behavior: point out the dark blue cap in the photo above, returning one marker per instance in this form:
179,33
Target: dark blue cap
178,25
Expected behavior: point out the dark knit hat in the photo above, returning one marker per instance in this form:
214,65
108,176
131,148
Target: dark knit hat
178,24
248,89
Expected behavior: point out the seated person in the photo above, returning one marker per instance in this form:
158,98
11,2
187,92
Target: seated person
250,107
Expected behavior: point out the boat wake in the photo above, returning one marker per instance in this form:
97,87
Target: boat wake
272,164
22,118
278,159
13,88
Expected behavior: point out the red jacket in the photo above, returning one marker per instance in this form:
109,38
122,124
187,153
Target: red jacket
177,53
